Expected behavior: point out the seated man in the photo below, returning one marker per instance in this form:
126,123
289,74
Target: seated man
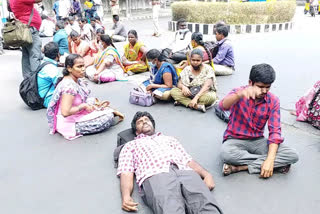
95,25
119,33
87,32
244,146
170,181
224,59
218,24
182,43
61,38
47,27
49,74
74,24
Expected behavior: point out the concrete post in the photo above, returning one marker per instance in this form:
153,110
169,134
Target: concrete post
127,8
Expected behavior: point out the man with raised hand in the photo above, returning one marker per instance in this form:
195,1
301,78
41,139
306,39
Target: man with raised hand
244,146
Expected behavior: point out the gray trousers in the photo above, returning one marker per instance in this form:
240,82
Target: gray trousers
178,192
254,152
31,54
118,38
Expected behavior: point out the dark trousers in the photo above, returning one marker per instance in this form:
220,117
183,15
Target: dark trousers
179,56
178,192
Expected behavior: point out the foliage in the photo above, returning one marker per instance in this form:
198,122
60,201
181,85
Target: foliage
235,12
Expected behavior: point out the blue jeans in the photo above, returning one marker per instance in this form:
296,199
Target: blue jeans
31,54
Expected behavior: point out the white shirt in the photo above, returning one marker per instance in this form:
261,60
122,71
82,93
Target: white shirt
47,27
63,8
98,2
76,27
87,30
181,42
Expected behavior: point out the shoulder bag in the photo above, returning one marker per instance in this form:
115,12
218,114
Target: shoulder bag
17,34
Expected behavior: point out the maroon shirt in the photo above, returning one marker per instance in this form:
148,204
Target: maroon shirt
248,119
22,11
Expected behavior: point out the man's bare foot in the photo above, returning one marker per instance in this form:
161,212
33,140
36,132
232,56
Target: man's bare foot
293,113
229,169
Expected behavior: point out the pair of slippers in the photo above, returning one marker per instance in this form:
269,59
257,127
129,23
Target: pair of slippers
227,169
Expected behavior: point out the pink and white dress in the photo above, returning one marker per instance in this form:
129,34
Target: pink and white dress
82,122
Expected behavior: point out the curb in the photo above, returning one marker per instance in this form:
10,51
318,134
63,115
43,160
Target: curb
143,17
207,29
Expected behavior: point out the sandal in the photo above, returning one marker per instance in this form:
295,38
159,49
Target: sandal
284,169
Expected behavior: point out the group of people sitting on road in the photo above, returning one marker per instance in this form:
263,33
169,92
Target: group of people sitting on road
170,181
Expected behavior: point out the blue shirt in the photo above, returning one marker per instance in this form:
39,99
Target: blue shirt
61,38
225,54
47,79
56,8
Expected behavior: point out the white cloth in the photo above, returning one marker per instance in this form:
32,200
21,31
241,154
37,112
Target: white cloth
76,27
114,69
47,27
99,2
68,29
87,31
64,7
155,16
100,11
181,43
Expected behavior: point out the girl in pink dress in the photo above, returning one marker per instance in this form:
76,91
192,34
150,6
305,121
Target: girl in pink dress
70,112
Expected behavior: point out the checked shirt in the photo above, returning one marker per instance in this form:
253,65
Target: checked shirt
248,118
150,155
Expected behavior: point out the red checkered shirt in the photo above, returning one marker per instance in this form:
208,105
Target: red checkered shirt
150,155
248,118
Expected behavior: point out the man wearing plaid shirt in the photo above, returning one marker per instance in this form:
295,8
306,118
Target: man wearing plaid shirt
244,146
169,180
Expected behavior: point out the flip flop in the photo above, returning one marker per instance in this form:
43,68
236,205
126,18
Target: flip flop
284,169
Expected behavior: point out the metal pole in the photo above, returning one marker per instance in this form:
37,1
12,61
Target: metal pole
127,8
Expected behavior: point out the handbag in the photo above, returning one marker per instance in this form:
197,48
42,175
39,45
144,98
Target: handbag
314,111
194,90
17,34
140,98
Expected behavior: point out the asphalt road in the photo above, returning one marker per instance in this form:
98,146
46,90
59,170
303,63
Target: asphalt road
43,174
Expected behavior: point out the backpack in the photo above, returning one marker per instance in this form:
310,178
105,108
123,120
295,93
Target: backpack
314,111
123,138
213,47
29,90
223,115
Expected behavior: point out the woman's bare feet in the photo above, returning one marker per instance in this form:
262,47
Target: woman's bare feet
293,113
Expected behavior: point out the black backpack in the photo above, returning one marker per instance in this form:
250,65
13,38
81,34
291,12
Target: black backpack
213,48
29,90
123,138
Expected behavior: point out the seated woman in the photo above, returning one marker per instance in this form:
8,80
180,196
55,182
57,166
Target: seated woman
107,66
81,47
134,58
70,112
97,41
307,107
163,76
197,43
197,84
